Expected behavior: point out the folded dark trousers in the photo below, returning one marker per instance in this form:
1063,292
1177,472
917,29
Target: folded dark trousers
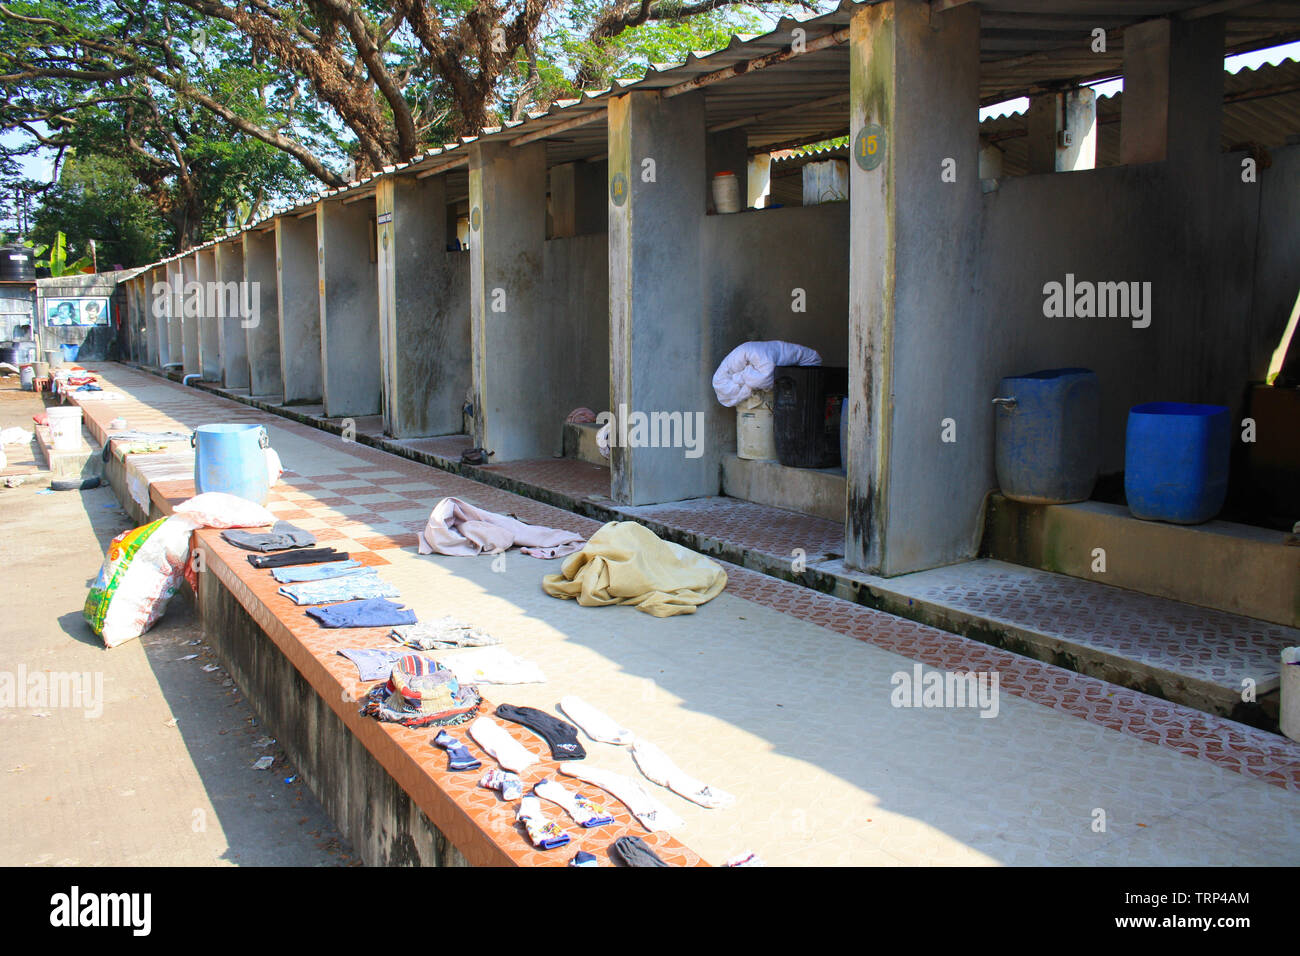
288,558
281,537
633,851
560,735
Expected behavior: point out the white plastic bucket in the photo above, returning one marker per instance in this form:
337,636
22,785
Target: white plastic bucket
65,427
755,431
726,192
1290,704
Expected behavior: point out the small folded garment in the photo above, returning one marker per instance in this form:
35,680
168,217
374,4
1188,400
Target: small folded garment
583,858
545,834
561,736
460,529
458,755
348,587
372,663
626,563
441,634
289,558
585,812
492,665
503,782
372,612
281,537
633,851
315,572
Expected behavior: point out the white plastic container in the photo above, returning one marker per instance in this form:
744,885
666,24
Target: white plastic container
1290,704
726,192
65,427
755,431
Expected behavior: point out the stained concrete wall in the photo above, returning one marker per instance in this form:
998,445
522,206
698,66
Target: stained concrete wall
349,309
190,312
157,298
262,336
175,313
749,279
205,272
298,291
231,300
423,311
576,279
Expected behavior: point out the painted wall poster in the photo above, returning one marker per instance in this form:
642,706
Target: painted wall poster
78,311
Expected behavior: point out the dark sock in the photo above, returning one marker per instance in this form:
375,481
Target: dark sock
287,558
560,735
633,851
583,858
458,755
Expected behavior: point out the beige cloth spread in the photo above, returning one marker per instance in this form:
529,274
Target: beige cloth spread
626,563
458,528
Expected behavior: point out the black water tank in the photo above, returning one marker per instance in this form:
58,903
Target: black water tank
806,414
17,264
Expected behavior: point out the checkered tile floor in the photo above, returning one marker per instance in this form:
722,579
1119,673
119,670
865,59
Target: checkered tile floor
1057,725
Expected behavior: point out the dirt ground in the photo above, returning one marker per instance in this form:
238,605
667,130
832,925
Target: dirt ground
154,765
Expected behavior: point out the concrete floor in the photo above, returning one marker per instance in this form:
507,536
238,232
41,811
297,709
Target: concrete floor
786,699
163,775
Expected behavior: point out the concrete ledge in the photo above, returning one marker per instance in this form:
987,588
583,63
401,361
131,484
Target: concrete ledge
68,464
1230,567
815,491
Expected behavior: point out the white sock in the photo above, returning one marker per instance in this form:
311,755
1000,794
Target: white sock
652,814
596,724
585,812
497,741
654,763
545,834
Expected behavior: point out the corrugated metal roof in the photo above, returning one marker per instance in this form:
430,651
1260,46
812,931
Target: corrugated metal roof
1026,46
1261,106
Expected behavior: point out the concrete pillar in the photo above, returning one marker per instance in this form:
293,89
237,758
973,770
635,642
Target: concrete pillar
298,308
1173,90
660,354
424,329
191,312
1062,131
913,501
205,272
349,309
231,298
516,413
727,151
159,307
759,173
262,332
175,313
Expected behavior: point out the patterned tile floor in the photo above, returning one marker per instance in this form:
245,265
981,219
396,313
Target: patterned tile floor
786,697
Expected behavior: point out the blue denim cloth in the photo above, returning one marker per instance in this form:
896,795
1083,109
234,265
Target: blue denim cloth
375,612
316,572
349,587
372,663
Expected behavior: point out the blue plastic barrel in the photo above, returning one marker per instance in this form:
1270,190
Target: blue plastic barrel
1047,428
1176,461
70,351
231,458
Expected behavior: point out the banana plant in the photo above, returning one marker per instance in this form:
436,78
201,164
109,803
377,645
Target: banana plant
58,263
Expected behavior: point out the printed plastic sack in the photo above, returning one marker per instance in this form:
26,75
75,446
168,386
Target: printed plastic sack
143,569
216,509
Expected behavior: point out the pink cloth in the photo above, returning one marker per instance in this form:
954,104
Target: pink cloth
460,529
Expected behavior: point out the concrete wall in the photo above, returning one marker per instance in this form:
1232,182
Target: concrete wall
205,272
576,280
349,309
232,339
262,336
423,310
175,313
298,291
749,277
190,313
